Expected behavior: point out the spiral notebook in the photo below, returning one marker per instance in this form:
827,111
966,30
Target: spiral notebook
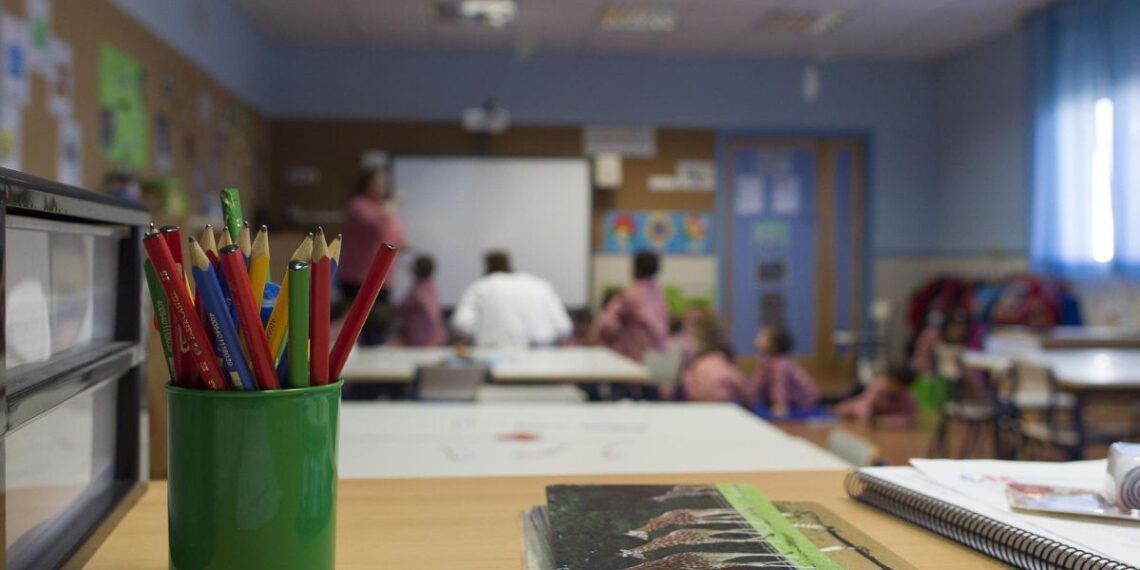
965,502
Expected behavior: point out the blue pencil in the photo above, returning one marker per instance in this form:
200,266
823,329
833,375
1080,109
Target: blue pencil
219,321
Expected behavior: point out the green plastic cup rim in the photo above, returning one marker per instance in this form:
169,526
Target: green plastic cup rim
254,394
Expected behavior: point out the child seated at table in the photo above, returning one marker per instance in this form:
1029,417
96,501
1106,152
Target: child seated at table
780,387
422,320
886,402
712,376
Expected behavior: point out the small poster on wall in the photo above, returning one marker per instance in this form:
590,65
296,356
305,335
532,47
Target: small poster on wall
14,33
61,80
628,231
70,154
122,109
10,141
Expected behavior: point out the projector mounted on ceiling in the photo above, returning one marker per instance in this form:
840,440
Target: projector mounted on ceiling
487,118
489,13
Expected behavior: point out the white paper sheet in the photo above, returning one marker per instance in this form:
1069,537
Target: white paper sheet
14,53
980,487
786,195
69,169
749,195
61,80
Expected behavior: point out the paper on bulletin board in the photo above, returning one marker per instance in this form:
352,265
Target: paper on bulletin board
61,80
70,153
786,195
749,195
39,36
696,175
624,140
10,137
121,99
14,33
627,231
163,145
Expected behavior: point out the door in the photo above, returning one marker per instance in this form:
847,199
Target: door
793,246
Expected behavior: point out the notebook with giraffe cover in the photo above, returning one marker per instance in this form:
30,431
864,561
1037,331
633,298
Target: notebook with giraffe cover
649,527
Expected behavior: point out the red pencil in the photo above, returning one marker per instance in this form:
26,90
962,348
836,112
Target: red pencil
183,362
182,313
319,311
237,277
361,306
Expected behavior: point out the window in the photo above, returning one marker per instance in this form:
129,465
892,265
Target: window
1100,210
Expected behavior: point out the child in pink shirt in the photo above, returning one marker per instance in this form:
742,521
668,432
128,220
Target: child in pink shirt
637,319
886,402
422,321
712,377
780,387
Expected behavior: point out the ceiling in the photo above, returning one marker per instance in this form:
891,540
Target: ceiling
868,29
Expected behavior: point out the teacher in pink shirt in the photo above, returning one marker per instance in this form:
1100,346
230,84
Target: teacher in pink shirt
637,319
370,221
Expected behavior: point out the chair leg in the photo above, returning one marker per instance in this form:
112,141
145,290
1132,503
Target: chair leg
938,445
969,440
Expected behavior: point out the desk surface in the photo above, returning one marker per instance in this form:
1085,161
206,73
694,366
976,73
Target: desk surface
391,364
1081,369
474,440
474,523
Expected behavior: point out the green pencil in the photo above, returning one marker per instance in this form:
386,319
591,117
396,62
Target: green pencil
158,300
299,279
231,211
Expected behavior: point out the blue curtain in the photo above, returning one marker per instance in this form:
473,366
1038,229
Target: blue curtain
1082,52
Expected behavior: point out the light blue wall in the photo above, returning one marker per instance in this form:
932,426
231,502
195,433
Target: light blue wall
982,147
893,102
218,37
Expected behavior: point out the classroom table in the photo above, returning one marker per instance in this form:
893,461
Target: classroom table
564,364
1087,374
1075,369
418,439
473,523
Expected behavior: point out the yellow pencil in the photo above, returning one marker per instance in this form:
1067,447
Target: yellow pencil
224,240
278,323
259,265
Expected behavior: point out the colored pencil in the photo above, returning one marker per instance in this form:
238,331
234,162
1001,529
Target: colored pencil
231,211
183,363
319,312
334,256
161,316
278,323
244,242
361,306
233,266
298,353
259,266
226,344
224,240
182,314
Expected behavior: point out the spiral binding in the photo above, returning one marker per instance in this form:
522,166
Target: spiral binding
999,540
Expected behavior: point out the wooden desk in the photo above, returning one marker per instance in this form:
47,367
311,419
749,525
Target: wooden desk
474,523
570,364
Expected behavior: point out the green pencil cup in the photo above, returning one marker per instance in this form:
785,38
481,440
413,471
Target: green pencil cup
252,478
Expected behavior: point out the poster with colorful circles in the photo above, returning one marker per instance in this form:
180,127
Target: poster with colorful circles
627,231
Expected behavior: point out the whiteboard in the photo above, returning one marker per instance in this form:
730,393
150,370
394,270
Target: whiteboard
537,209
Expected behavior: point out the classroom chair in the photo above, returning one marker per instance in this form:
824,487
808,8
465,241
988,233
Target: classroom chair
1043,416
975,414
853,449
446,383
558,393
664,367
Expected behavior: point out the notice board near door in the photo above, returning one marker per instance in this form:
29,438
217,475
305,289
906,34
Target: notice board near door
793,245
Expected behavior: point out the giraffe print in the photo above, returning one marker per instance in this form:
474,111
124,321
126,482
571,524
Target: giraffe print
686,517
687,491
690,537
714,561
